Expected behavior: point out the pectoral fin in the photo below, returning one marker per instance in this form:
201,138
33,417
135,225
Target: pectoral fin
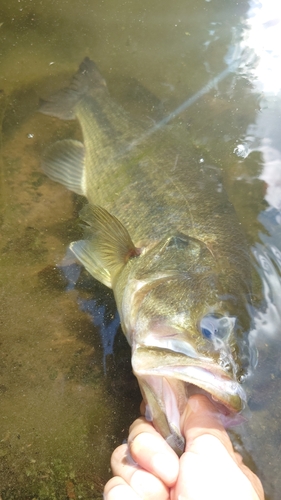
64,162
85,252
108,246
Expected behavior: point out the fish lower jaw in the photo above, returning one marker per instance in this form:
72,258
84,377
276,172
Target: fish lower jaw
166,390
213,380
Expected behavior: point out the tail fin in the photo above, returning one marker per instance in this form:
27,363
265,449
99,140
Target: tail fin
87,80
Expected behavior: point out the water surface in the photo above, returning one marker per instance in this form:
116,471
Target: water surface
67,394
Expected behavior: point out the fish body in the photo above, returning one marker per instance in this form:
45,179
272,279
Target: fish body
163,235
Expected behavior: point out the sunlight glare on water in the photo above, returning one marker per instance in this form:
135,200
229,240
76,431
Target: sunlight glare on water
263,36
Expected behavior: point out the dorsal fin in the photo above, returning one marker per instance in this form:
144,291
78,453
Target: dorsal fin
107,247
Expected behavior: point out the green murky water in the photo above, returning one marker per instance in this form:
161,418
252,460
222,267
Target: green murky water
62,413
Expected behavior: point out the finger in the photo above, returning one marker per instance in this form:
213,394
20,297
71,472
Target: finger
256,482
121,460
201,417
117,489
144,484
208,458
152,452
142,425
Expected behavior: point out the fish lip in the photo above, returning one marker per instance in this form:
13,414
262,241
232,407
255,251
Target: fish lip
209,377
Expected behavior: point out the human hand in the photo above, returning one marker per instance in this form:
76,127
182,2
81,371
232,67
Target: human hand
147,468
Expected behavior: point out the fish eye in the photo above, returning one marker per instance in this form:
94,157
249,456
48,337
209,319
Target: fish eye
214,326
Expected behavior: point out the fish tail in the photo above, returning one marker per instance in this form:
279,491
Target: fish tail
87,80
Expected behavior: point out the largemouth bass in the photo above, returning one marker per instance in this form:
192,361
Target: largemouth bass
163,235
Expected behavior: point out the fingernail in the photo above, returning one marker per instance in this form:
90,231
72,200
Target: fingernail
130,459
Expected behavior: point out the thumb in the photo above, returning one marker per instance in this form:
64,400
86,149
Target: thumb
201,418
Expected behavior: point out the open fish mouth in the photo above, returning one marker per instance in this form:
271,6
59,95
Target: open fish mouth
208,376
167,383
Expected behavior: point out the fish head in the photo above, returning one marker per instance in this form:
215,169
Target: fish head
185,319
